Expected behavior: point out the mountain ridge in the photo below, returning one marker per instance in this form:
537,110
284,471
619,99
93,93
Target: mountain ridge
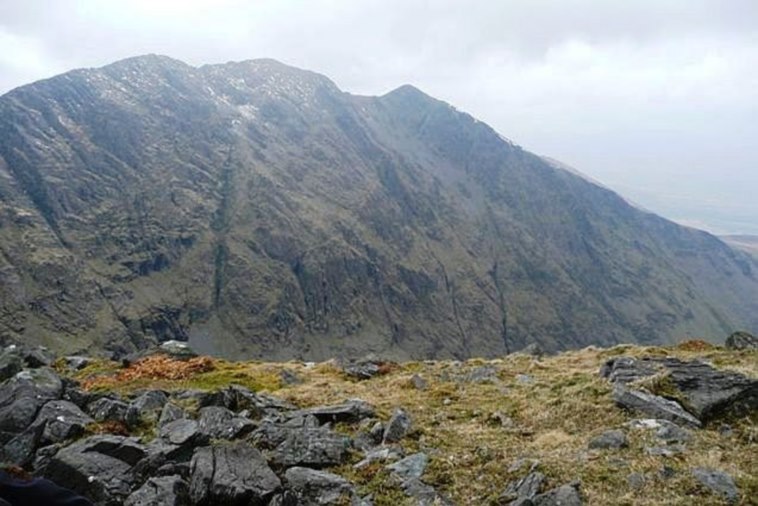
253,208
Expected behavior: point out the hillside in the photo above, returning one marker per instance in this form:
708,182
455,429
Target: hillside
167,431
255,210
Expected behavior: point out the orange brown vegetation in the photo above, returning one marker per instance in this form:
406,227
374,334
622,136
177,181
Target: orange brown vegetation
155,367
695,345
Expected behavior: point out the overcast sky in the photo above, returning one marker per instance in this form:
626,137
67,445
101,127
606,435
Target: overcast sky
657,99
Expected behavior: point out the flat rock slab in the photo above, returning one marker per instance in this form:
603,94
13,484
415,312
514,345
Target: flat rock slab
653,405
707,393
352,411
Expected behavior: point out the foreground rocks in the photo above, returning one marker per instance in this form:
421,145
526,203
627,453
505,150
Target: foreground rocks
233,447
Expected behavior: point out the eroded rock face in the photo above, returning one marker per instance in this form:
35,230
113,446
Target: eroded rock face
703,391
235,474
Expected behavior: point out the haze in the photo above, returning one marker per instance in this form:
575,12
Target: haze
657,99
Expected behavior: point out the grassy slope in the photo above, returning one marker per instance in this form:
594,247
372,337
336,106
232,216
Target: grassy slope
554,417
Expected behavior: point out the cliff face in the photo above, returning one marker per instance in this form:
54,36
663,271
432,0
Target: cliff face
254,209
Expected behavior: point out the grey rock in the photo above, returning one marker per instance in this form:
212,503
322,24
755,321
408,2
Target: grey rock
382,454
182,432
423,494
636,481
317,448
76,363
37,356
418,382
482,374
22,396
609,440
526,488
290,377
363,369
285,498
314,488
107,409
170,413
161,491
672,433
177,350
96,467
412,466
11,364
220,423
234,474
653,405
20,450
718,482
62,420
708,393
398,426
146,408
741,341
565,495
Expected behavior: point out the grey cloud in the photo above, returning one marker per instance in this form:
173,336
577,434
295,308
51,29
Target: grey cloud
644,95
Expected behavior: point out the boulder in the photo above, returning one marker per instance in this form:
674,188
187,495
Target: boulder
170,413
37,356
653,405
363,369
412,466
319,447
741,341
418,382
22,396
161,491
398,426
424,494
526,488
314,488
146,408
62,420
220,423
719,482
177,350
609,440
76,362
11,363
705,392
565,495
108,409
97,467
235,474
183,432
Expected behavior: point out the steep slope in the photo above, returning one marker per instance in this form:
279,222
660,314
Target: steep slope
254,209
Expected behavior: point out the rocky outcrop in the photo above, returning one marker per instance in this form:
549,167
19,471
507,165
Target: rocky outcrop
692,393
236,447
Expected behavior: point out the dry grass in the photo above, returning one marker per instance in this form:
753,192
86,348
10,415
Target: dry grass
550,415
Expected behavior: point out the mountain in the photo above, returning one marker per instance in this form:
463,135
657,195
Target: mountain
254,209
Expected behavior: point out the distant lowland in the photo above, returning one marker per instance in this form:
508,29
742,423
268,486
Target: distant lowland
255,210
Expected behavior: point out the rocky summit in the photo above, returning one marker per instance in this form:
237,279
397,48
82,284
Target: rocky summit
253,209
621,425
